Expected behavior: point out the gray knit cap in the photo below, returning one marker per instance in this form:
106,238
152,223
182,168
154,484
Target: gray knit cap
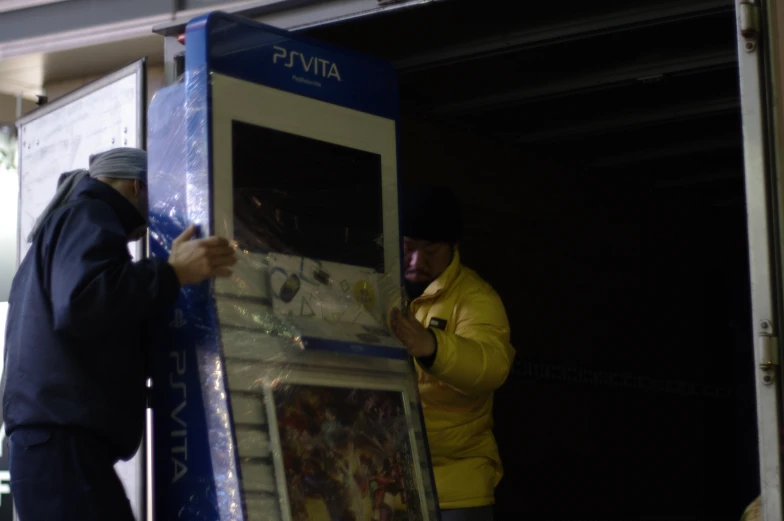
117,163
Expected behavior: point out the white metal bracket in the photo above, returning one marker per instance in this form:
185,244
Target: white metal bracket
749,23
769,353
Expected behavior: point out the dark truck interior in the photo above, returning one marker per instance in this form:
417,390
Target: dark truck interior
597,151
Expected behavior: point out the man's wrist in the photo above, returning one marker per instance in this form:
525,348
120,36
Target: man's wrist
177,273
171,285
428,361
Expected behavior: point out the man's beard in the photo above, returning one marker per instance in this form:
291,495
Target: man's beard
415,289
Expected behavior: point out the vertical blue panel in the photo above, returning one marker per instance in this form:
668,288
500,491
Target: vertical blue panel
182,464
198,196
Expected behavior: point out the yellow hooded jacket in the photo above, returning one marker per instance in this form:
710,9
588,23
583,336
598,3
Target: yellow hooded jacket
473,359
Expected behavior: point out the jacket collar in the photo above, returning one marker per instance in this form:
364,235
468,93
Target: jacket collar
444,280
129,216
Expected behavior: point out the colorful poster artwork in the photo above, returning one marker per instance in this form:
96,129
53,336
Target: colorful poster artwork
347,454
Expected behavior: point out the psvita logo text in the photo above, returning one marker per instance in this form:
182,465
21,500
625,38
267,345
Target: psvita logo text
310,64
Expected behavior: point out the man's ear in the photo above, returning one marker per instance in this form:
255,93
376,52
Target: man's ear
137,187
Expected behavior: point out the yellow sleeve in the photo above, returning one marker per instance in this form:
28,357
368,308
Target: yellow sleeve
477,357
753,511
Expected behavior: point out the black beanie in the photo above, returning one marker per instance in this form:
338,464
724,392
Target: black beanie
431,213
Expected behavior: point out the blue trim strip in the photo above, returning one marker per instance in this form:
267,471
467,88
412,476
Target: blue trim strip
230,495
182,450
354,348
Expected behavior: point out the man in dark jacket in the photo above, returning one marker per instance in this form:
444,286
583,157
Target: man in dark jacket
74,396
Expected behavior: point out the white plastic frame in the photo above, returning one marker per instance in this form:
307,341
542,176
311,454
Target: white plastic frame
307,117
319,378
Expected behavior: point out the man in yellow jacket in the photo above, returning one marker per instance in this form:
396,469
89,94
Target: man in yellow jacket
457,330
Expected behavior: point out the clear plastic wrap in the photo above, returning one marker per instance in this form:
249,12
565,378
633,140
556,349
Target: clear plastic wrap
313,213
280,393
342,441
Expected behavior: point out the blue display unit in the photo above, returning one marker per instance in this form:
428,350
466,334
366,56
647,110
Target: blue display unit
279,393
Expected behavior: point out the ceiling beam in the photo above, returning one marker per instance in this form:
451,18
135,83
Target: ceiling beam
7,6
633,119
300,15
582,28
667,152
601,80
698,180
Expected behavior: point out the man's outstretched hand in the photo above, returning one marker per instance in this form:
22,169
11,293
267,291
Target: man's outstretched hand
419,341
196,260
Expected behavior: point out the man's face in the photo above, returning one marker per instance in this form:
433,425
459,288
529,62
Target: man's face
138,197
141,202
424,260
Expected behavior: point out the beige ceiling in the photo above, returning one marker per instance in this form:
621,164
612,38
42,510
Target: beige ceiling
31,73
8,108
22,74
101,59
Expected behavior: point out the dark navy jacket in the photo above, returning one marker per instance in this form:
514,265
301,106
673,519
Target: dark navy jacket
78,313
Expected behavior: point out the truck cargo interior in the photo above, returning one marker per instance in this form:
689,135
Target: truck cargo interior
597,149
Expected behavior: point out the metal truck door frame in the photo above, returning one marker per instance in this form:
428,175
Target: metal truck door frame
760,29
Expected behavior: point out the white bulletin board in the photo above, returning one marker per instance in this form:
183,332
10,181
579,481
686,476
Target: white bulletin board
62,135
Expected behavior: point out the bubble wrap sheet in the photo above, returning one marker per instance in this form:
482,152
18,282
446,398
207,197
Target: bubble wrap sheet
279,393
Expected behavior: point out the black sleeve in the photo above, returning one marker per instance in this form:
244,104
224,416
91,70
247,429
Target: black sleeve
95,287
